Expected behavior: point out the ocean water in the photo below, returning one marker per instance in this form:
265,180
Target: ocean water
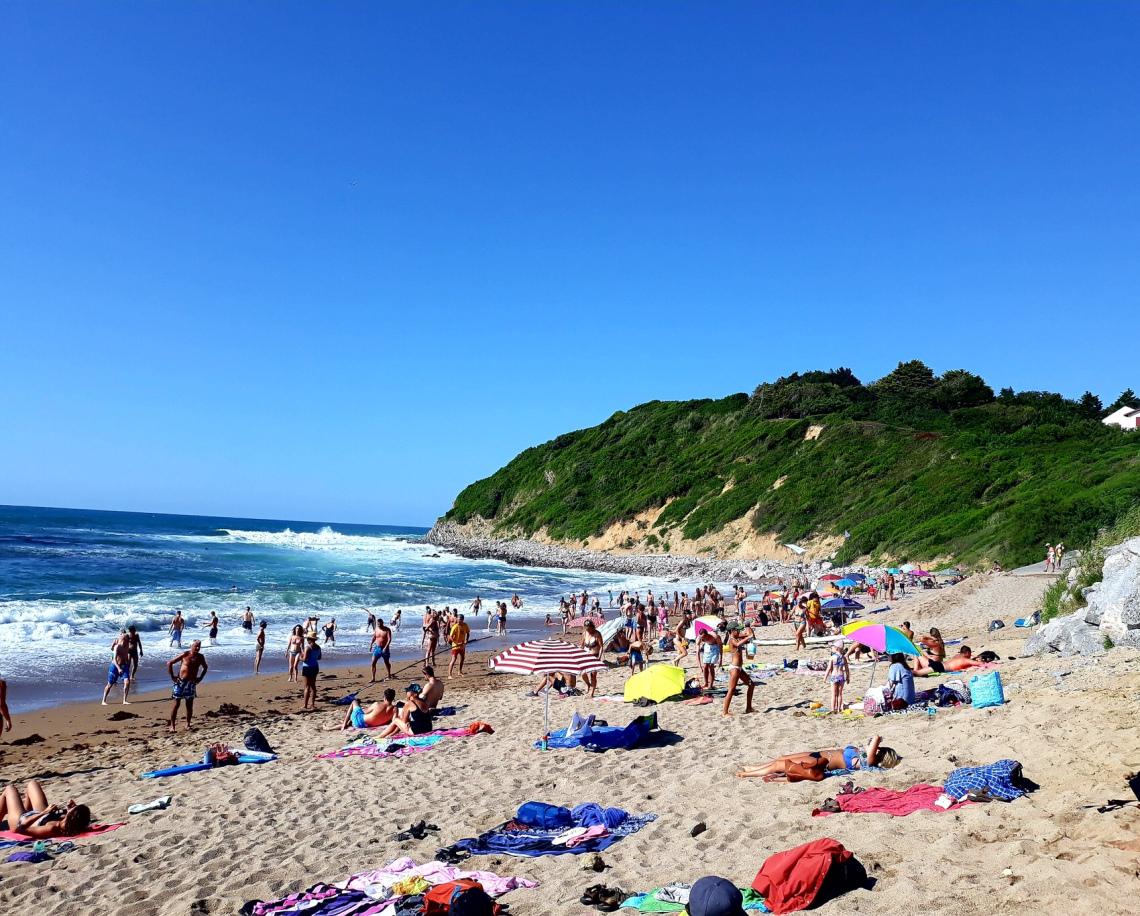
70,579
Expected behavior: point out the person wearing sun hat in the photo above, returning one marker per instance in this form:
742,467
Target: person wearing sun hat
713,896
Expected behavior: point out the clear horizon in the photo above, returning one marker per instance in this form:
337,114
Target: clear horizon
339,261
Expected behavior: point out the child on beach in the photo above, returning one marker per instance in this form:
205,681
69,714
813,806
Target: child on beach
636,654
838,673
708,649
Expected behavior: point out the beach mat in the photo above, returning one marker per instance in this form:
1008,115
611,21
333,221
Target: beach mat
93,830
196,767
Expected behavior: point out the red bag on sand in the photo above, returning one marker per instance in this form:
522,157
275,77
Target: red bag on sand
464,896
792,880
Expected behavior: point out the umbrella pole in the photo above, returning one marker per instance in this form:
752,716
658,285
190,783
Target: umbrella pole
546,713
873,667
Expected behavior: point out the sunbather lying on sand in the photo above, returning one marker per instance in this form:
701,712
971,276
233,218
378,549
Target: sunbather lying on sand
963,661
379,713
813,765
31,815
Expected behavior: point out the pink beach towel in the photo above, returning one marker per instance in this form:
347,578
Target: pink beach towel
93,830
888,801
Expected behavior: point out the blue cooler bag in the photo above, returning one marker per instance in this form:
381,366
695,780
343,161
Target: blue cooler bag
986,690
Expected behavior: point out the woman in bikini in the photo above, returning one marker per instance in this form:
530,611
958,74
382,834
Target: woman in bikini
592,643
30,815
813,765
934,653
293,650
963,661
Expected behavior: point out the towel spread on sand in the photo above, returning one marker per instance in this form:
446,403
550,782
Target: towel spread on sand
373,893
93,830
408,744
651,903
888,801
515,839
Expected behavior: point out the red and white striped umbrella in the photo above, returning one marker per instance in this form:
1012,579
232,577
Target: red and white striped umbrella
542,656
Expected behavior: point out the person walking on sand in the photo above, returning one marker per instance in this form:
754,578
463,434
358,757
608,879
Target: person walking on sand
380,647
259,648
1049,558
738,637
310,668
431,634
192,668
708,653
136,649
213,628
177,625
293,651
838,673
592,643
120,667
458,637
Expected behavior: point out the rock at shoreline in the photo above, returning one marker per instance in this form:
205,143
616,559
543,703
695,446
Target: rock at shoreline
521,552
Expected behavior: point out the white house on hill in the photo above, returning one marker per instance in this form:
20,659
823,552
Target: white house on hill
1125,418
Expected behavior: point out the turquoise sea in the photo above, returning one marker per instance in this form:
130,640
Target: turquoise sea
71,578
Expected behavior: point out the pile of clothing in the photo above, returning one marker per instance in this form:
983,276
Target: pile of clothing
394,890
676,897
594,736
540,829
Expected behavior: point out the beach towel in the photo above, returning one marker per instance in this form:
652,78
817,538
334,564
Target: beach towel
583,733
651,903
243,757
807,875
403,745
514,839
888,801
374,892
93,830
1003,780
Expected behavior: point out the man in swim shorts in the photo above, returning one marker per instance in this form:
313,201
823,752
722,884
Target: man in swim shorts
120,667
247,620
177,625
379,713
381,648
192,669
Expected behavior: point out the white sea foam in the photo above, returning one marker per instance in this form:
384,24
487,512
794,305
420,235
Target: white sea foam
325,539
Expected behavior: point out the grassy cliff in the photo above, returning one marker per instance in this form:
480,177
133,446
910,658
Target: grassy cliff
913,466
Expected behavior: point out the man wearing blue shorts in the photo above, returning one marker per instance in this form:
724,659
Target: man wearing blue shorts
120,667
381,648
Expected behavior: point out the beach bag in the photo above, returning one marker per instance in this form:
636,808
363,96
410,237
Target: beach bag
255,741
543,816
986,690
458,898
877,701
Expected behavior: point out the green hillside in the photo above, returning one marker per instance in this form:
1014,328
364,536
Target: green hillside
913,466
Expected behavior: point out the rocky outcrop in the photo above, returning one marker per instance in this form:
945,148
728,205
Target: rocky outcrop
523,552
1112,616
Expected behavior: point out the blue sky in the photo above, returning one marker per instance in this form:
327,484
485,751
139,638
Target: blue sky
337,260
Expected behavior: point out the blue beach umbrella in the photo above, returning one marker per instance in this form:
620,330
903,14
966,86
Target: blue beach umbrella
858,576
847,583
844,604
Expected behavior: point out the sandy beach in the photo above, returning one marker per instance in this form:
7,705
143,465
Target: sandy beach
260,832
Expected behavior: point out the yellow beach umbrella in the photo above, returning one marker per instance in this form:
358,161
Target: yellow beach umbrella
656,683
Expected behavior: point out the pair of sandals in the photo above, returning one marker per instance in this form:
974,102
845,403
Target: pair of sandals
417,831
451,855
605,899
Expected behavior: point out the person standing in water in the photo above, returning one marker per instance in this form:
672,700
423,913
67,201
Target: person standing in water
259,648
330,631
247,620
213,628
120,667
192,668
136,649
177,625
